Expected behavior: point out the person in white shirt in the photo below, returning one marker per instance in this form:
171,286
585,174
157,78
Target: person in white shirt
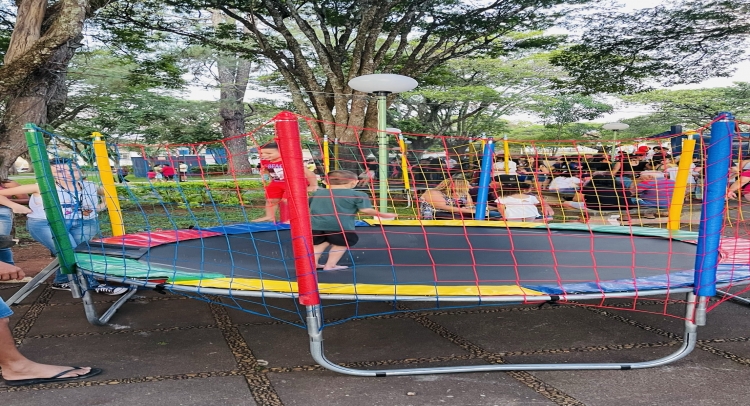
565,183
521,205
498,168
79,203
183,168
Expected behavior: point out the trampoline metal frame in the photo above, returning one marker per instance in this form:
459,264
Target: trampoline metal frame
79,290
695,316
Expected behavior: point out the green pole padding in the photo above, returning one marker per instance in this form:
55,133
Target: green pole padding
48,190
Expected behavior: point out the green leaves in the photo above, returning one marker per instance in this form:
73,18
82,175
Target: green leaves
685,42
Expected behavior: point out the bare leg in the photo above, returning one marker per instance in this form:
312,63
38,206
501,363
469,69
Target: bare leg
16,366
271,205
319,249
334,255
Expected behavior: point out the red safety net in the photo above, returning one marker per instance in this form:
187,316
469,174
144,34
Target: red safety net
589,222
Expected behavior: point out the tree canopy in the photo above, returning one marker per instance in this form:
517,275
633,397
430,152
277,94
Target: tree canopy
681,42
475,62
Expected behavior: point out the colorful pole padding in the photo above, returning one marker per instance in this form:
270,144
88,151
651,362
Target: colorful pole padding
680,188
404,162
718,162
484,180
336,154
326,155
108,184
506,154
290,145
50,200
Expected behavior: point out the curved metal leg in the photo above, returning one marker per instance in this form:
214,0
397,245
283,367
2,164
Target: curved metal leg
79,285
314,324
33,283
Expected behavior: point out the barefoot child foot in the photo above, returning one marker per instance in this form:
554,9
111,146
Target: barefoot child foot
335,268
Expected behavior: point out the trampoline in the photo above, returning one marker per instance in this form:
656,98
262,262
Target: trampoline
463,261
436,260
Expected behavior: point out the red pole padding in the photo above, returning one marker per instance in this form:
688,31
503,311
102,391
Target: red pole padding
284,209
290,147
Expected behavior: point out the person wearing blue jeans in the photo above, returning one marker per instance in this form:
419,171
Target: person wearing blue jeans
10,206
18,370
6,225
79,202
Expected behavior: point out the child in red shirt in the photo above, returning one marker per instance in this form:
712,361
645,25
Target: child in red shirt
270,162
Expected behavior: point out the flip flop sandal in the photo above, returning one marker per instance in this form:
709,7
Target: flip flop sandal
56,378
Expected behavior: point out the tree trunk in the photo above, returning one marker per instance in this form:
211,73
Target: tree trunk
234,73
32,78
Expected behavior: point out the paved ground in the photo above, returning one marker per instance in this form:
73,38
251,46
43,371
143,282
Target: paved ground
170,350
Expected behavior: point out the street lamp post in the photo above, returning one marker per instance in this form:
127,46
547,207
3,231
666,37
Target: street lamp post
615,127
381,85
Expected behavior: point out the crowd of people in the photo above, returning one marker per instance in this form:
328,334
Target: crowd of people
639,182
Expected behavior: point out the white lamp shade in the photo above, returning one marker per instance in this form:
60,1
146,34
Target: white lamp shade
615,126
383,82
391,130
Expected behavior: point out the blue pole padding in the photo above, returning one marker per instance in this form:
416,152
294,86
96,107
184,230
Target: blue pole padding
718,161
484,180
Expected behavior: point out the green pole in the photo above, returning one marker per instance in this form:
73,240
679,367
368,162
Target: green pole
48,190
383,152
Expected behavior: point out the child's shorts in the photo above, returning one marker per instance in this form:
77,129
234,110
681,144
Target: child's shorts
275,190
340,238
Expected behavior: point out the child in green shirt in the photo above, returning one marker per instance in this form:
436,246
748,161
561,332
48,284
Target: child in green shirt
333,212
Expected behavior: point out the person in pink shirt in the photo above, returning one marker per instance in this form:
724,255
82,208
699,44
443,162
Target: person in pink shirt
741,186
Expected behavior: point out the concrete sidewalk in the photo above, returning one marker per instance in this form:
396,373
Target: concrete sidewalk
169,350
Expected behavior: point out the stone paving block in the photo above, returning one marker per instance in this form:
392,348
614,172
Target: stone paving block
264,310
136,314
133,355
725,321
10,289
225,391
320,388
260,310
740,349
600,355
543,329
701,379
364,340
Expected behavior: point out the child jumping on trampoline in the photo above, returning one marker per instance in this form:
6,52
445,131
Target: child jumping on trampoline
273,171
333,213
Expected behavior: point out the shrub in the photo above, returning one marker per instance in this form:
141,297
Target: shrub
194,194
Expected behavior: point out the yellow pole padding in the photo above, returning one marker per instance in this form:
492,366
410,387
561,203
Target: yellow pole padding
506,154
326,160
404,162
108,184
326,156
336,153
680,184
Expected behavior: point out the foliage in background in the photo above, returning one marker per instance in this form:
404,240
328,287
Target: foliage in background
194,194
557,112
684,41
469,96
694,107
